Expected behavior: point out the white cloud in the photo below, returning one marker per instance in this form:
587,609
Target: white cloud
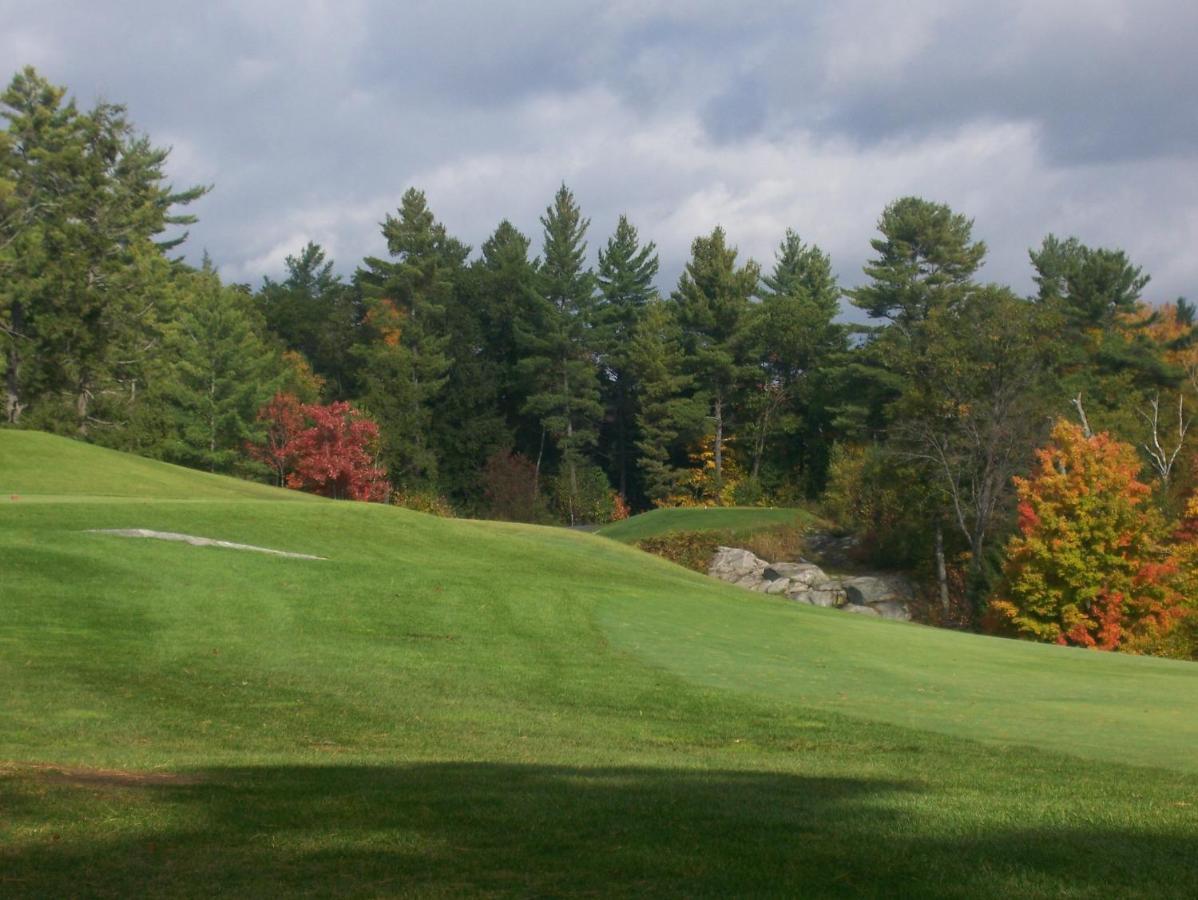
311,118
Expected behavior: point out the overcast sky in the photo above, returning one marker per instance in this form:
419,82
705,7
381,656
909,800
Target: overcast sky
311,118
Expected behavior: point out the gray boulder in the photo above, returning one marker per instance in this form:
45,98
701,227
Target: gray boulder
801,570
866,590
887,596
732,564
826,598
892,609
857,608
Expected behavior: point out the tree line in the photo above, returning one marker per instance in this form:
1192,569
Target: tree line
520,382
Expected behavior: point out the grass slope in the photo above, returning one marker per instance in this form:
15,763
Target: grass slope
741,520
453,707
37,467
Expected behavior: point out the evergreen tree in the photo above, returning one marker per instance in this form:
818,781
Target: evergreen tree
314,313
625,278
1091,286
406,361
792,338
559,359
81,196
468,423
507,298
711,306
1106,353
926,257
666,409
222,374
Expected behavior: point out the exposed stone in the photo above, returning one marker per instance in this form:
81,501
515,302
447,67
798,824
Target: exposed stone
869,589
778,570
892,609
884,595
732,563
826,598
857,608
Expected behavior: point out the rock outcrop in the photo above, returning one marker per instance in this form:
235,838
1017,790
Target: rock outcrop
888,596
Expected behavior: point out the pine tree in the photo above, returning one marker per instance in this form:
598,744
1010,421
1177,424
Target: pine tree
1106,352
666,410
711,306
222,374
625,278
559,358
926,257
81,195
314,313
507,298
407,362
792,337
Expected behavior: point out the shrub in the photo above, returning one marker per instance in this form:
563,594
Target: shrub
697,485
690,549
510,488
694,549
781,543
595,502
424,501
879,498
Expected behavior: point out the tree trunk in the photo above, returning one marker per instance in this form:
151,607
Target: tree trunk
536,474
719,448
82,404
568,448
212,423
759,443
621,449
941,571
12,388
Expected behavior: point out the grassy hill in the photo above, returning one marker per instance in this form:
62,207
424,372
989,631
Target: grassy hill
737,520
456,707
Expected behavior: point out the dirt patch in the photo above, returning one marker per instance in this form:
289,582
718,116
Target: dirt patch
87,776
196,541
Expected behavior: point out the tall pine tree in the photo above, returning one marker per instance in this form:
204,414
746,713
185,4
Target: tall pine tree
625,278
407,362
667,414
926,257
558,346
711,306
793,338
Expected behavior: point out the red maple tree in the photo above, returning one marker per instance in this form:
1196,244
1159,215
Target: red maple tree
323,449
284,418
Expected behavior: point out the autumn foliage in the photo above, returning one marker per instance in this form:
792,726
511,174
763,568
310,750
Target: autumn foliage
284,420
323,449
1090,565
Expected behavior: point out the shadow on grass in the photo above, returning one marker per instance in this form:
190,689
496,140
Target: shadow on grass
540,830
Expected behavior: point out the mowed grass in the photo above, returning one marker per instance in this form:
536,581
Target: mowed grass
737,520
448,707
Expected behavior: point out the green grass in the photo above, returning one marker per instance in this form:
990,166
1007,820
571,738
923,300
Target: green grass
737,520
36,467
447,707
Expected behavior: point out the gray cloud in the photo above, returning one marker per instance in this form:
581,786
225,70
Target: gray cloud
312,117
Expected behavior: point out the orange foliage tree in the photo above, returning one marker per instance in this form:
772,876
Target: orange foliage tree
1090,565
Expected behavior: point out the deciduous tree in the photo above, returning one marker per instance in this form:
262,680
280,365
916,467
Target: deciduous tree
1089,566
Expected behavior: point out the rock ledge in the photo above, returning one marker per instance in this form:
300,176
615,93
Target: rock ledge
885,595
